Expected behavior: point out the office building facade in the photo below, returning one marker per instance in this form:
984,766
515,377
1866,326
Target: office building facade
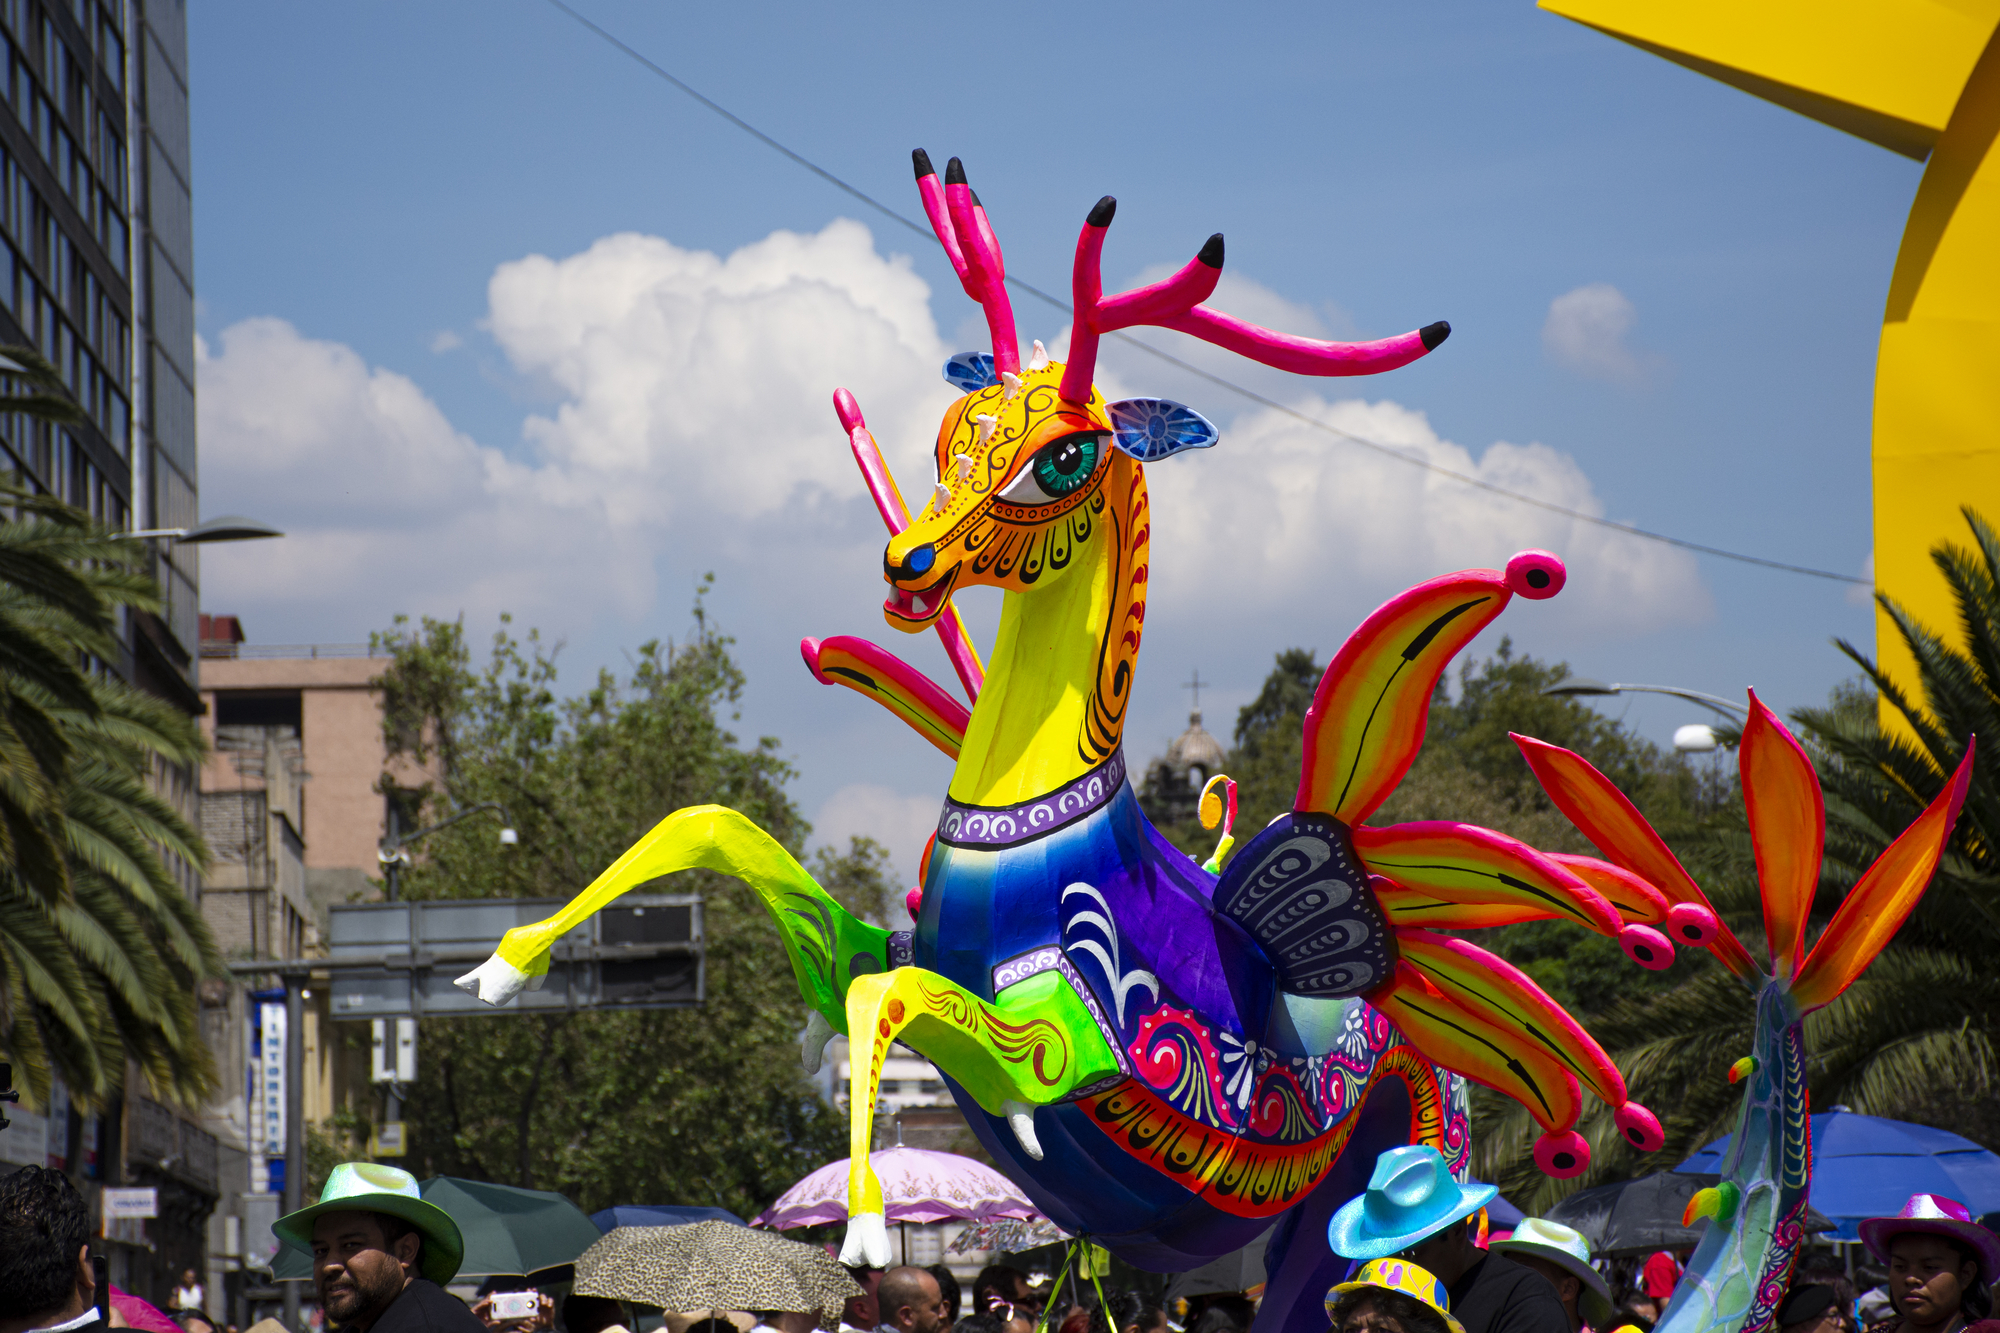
97,274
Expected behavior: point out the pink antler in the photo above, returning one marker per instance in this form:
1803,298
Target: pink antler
959,220
1176,304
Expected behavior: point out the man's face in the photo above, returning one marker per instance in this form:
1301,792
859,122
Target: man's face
1569,1287
1439,1252
356,1271
929,1312
1367,1317
1927,1277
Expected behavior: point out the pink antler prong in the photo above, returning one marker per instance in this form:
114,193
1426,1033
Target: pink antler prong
1306,356
935,209
960,222
1163,300
1176,304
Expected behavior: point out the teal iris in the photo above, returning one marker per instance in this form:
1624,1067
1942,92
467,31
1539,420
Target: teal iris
1066,464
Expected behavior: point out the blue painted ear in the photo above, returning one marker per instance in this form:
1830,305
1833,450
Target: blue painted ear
970,372
1150,429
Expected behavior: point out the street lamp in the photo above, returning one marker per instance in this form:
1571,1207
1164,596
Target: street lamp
229,528
393,857
1695,738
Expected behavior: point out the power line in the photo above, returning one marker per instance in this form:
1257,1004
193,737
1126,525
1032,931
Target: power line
1249,395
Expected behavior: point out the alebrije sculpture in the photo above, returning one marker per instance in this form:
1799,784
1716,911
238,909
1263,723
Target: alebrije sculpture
1165,1055
1738,1274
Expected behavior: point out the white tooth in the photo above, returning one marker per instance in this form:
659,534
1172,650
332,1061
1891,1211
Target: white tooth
1010,384
941,498
1021,1119
917,604
1040,360
964,462
986,426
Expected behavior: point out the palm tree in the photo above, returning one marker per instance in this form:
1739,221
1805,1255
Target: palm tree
1915,1037
100,951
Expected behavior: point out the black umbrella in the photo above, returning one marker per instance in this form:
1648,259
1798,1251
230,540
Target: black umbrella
1239,1270
1644,1215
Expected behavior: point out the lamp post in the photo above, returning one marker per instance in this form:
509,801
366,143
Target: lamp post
230,528
393,857
1696,738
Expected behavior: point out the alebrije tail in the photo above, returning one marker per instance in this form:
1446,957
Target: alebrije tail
1787,817
1367,717
1883,898
1608,818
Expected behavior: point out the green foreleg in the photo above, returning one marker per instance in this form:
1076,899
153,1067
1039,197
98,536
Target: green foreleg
828,945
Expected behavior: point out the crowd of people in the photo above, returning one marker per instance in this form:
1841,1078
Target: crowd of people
1420,1263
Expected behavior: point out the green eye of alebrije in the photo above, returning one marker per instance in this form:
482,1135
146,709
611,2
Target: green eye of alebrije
1067,464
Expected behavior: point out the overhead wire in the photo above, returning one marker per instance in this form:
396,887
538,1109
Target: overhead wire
1250,395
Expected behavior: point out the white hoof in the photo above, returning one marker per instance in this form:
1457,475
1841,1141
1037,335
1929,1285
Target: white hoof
867,1243
1021,1119
812,1044
495,981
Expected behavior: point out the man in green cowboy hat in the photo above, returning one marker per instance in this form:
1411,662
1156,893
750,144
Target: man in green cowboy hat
381,1254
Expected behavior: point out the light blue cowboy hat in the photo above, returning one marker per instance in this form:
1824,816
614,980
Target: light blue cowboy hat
371,1187
1410,1196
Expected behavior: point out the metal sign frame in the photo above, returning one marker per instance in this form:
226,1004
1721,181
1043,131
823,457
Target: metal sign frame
398,960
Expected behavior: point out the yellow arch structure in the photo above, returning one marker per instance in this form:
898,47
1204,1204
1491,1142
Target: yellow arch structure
1920,78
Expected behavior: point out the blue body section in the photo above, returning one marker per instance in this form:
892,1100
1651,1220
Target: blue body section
1190,1004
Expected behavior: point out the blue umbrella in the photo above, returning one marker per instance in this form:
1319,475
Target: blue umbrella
1503,1214
659,1215
1864,1166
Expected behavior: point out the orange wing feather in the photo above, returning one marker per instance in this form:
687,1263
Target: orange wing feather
1882,899
1787,816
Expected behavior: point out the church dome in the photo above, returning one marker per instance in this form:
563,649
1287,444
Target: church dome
1194,749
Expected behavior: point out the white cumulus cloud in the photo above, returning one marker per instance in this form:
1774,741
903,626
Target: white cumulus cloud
899,822
1586,331
1281,513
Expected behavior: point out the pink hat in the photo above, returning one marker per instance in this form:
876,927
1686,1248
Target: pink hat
1934,1215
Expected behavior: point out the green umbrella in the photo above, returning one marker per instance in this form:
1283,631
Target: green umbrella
509,1232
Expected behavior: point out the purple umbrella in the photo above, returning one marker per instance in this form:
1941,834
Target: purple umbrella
918,1185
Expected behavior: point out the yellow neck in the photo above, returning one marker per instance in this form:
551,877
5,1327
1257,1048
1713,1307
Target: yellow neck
1060,675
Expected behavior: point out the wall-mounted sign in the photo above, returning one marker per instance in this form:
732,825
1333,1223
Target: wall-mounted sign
128,1204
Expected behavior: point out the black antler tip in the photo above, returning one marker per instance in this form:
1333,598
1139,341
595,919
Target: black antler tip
923,163
1211,251
975,197
1433,334
954,172
1101,215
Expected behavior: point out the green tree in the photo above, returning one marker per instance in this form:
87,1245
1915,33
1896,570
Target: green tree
100,951
705,1105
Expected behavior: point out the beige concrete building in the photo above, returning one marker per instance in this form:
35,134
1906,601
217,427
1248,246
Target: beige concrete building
321,706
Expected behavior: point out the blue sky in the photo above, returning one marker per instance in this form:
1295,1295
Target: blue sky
448,425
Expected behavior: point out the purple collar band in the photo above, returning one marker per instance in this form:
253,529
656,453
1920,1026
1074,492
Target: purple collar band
1009,826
